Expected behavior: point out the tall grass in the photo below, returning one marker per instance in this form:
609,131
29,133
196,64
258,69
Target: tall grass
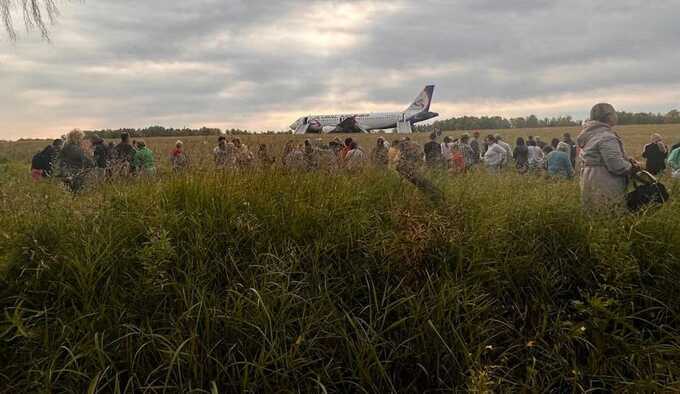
268,281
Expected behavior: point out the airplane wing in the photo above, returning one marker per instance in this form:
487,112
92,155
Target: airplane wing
350,125
302,128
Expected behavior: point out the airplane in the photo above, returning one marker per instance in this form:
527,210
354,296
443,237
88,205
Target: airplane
418,111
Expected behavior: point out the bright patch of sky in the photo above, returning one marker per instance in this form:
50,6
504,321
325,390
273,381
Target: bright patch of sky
261,64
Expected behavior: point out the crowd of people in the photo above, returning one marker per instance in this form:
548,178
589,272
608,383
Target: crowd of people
71,162
597,152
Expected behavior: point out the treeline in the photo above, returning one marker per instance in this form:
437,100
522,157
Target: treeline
496,122
671,117
532,121
160,131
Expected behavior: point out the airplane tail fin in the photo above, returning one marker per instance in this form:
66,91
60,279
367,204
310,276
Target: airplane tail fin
422,102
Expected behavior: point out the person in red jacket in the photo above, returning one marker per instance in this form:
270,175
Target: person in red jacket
346,148
178,158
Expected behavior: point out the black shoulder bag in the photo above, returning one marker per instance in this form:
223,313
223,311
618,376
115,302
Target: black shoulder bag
648,191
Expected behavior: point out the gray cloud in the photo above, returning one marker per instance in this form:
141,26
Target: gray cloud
259,64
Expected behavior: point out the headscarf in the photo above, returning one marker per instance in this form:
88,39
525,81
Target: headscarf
74,137
602,112
563,147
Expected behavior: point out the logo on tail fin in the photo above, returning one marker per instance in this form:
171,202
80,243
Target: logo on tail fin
422,102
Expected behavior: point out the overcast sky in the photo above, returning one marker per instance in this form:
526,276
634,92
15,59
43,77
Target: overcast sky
261,64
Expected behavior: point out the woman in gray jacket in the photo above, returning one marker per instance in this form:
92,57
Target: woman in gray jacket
605,172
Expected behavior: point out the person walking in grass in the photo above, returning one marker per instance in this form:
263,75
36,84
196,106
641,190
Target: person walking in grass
311,156
178,158
457,164
294,156
393,154
144,161
496,156
535,156
540,143
655,154
558,162
335,146
674,147
43,162
606,168
554,142
356,158
467,151
346,147
566,138
74,164
123,154
521,156
447,151
506,146
102,156
433,152
220,152
674,162
244,157
476,146
264,159
547,152
328,158
379,155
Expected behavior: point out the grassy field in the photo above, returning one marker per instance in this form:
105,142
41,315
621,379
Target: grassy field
271,281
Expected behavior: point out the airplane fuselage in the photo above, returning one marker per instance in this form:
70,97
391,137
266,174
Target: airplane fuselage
369,121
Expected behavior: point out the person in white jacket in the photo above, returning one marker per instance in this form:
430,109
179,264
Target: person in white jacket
535,156
504,145
496,156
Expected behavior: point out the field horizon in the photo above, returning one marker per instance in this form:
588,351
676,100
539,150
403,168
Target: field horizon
272,280
634,138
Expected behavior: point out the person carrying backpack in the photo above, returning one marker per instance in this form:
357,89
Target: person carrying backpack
43,161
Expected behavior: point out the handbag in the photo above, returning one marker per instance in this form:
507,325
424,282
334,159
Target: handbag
648,191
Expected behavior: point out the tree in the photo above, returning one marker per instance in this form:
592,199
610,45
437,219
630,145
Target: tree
532,121
518,123
672,117
38,14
